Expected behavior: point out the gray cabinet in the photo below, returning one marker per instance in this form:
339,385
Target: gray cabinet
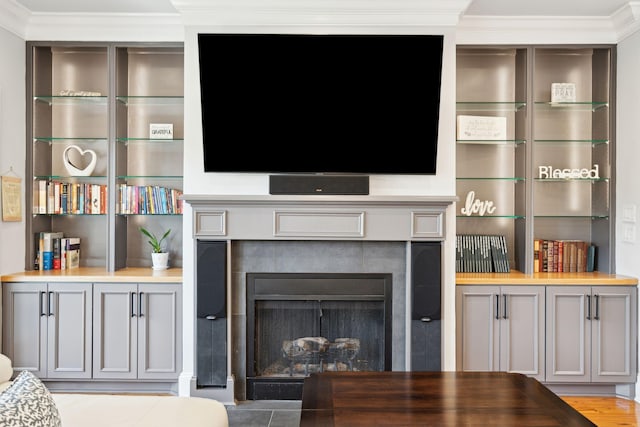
137,331
591,334
501,328
47,328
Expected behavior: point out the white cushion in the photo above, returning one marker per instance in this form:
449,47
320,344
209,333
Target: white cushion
27,402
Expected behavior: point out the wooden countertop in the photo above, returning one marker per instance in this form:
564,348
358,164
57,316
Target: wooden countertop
519,278
98,275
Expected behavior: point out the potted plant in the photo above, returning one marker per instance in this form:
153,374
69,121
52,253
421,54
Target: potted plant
159,258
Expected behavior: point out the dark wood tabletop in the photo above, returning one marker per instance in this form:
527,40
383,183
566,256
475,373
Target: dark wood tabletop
353,399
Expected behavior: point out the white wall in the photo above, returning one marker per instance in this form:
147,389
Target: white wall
12,140
627,159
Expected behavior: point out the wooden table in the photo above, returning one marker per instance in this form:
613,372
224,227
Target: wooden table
352,399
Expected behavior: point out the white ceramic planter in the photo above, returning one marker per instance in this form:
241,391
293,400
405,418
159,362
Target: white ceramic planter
160,260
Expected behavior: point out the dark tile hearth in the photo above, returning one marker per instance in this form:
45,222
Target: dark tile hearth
265,413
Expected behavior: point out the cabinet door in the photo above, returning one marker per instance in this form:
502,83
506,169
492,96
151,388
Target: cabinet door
115,331
478,336
613,334
159,331
24,338
69,330
568,334
522,330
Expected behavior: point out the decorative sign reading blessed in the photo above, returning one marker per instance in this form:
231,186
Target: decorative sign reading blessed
549,172
479,207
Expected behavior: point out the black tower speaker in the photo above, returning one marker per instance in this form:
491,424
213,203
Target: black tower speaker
211,279
426,266
319,184
211,312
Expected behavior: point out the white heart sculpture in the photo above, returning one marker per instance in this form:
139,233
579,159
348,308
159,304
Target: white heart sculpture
72,169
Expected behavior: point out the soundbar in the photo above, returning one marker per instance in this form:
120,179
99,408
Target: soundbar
319,184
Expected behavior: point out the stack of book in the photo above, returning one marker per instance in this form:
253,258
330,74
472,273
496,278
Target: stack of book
62,198
481,253
56,252
573,256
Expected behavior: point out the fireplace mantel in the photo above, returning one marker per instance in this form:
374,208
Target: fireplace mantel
399,218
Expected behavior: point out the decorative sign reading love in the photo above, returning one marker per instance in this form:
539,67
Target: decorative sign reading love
479,207
74,158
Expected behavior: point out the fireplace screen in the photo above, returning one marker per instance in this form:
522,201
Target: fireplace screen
298,324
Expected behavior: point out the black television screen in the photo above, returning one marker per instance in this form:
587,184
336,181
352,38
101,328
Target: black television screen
302,103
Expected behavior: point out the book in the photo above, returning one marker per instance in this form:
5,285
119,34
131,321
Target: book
47,250
63,253
73,252
57,253
42,196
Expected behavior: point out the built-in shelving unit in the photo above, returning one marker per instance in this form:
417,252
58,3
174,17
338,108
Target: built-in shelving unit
102,98
521,175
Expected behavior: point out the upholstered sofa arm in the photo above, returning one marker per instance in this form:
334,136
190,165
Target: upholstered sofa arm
6,371
102,410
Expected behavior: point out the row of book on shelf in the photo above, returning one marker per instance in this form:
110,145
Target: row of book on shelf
56,252
149,199
481,253
54,197
60,198
563,256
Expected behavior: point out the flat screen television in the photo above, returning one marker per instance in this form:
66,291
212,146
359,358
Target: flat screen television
321,104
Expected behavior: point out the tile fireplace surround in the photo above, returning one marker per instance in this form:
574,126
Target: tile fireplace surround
361,234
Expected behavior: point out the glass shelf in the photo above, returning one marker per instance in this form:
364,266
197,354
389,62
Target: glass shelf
491,216
58,140
150,214
69,177
505,142
151,100
591,180
149,141
70,214
571,106
572,141
72,100
490,106
514,179
157,177
592,217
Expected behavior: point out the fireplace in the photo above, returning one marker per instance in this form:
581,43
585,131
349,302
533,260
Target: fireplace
369,235
300,323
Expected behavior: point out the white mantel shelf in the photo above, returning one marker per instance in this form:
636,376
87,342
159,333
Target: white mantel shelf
319,217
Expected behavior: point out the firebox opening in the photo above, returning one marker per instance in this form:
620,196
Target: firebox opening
300,323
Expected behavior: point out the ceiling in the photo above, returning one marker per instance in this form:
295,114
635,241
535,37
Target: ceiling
603,8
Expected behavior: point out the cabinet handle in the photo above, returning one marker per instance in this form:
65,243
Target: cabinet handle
140,312
425,319
596,297
497,307
211,317
49,303
42,295
133,304
588,307
504,309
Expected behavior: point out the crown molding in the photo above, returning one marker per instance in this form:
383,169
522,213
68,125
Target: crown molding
535,30
105,27
325,13
14,17
627,19
474,29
